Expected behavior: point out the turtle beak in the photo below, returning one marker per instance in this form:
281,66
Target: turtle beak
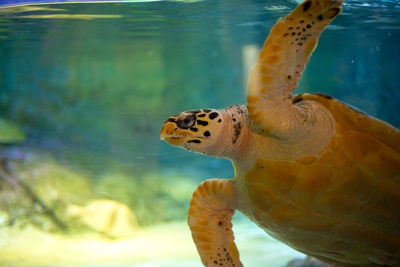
164,132
172,134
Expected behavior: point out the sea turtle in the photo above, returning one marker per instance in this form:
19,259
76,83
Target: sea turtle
311,171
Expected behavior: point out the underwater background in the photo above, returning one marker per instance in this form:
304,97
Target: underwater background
84,91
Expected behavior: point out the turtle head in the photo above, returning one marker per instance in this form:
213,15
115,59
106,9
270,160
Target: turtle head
221,133
195,130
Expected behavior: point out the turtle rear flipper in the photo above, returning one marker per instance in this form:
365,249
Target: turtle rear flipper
280,63
210,216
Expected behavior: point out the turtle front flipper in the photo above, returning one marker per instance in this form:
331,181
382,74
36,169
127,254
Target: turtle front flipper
210,215
280,63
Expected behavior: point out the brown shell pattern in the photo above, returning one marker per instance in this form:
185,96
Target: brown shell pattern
347,196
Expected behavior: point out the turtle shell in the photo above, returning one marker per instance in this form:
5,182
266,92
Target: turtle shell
342,204
354,119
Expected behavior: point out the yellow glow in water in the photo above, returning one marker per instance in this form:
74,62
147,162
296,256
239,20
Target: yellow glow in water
71,16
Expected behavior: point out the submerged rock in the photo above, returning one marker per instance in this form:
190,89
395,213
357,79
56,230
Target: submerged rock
109,217
156,197
36,191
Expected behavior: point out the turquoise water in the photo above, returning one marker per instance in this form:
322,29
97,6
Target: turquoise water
91,84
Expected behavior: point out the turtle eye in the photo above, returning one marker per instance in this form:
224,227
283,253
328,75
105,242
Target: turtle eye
186,122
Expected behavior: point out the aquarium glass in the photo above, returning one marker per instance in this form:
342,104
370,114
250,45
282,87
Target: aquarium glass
85,89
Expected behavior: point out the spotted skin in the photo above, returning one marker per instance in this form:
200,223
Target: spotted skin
213,115
192,125
237,129
212,232
281,62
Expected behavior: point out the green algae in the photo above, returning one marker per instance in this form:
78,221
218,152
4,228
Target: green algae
10,133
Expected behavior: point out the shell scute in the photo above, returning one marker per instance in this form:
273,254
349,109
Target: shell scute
336,143
347,192
312,179
314,224
384,164
341,160
360,145
349,118
326,157
380,207
276,175
284,214
262,198
305,160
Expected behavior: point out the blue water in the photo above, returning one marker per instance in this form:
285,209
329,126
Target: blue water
92,83
106,84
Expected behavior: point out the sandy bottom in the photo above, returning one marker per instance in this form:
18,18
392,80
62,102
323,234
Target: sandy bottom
162,245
